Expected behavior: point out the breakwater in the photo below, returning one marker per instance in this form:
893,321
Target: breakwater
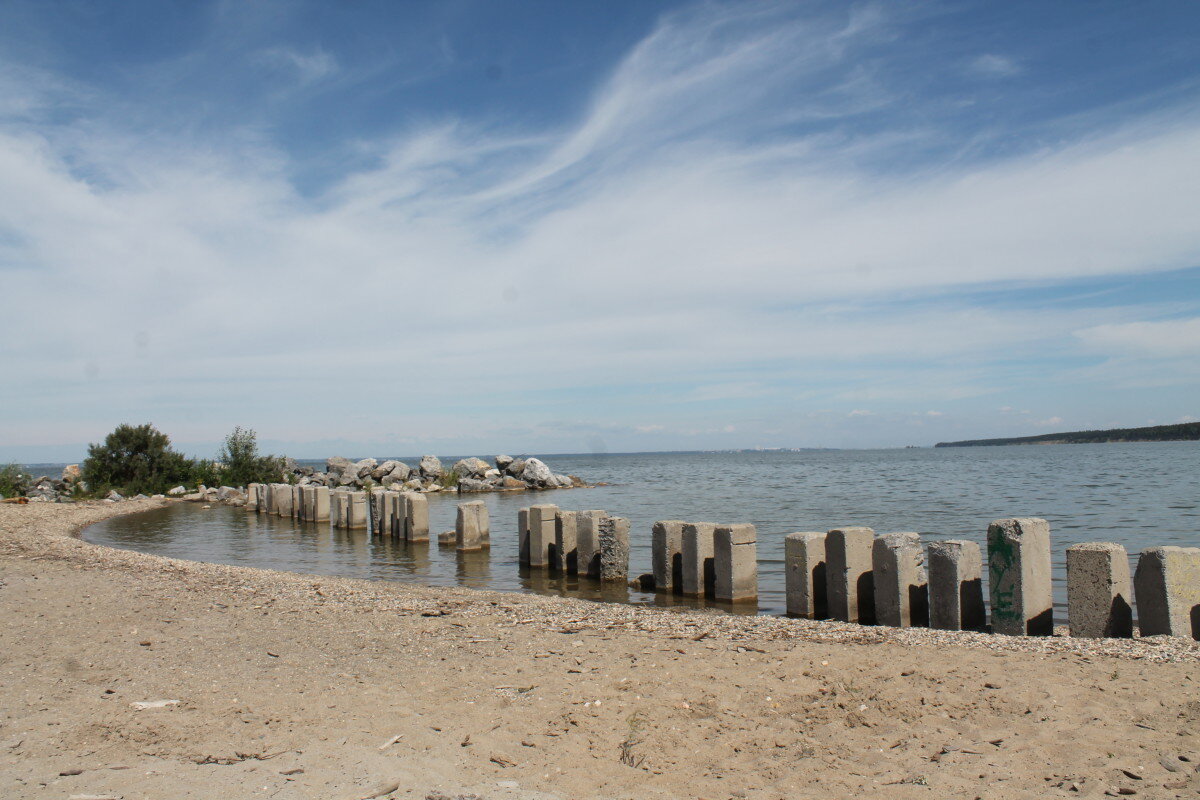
848,574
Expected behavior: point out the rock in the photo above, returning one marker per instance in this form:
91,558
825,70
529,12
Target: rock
502,462
113,495
138,497
363,468
178,491
225,492
195,497
491,474
468,485
430,467
337,465
563,481
349,477
71,473
577,481
471,467
537,473
402,471
516,467
414,484
511,483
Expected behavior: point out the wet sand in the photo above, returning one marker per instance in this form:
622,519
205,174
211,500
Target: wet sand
295,686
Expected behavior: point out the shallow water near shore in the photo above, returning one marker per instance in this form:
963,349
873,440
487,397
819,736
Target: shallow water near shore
1138,495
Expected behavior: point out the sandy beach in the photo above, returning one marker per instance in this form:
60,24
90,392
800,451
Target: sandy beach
269,684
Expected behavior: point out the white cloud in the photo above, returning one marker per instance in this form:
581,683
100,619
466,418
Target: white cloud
307,67
994,66
1045,423
861,412
1174,338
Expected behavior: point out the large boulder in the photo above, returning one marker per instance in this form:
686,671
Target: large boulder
364,467
516,467
471,467
537,473
337,465
431,467
71,473
383,469
349,477
564,481
502,462
178,491
469,485
509,483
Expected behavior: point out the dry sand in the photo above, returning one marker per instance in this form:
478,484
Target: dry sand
292,686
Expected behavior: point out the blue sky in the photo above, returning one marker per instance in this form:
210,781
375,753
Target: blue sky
467,227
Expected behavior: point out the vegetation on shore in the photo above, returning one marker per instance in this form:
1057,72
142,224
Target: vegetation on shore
1186,431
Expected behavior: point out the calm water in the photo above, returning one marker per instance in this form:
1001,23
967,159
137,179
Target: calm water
1139,495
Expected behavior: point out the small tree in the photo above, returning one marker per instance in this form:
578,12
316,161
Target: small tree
135,459
242,465
12,481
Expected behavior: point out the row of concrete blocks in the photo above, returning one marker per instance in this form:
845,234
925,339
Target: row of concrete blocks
399,515
849,574
403,515
704,559
589,543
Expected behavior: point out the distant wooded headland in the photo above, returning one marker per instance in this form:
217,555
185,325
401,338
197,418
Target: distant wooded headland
1187,431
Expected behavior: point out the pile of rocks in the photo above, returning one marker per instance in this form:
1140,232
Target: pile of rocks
51,490
467,475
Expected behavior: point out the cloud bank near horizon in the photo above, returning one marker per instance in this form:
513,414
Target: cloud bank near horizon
755,223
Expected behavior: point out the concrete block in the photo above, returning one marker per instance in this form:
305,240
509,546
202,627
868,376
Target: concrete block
699,568
469,526
523,536
1167,586
667,555
283,500
541,534
321,504
614,549
1019,577
901,585
252,497
804,575
308,495
264,499
587,542
735,563
1099,591
566,543
400,516
340,504
297,502
850,582
956,586
416,517
357,511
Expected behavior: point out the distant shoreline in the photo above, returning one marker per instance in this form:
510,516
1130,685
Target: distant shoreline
1183,432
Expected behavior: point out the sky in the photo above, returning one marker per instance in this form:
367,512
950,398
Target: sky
373,227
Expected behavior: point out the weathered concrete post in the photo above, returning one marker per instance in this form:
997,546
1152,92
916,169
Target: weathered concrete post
321,504
341,508
252,497
383,513
804,575
357,511
699,568
735,562
297,502
956,586
566,543
850,583
469,526
1099,591
1167,586
310,503
1019,577
614,549
587,542
400,516
541,534
667,555
264,499
283,500
901,586
523,536
417,517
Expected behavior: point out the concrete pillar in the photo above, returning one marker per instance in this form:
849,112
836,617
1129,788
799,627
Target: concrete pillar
1099,591
400,516
614,549
320,504
283,500
667,555
699,569
541,534
1019,577
587,542
338,512
251,497
523,536
956,586
309,495
1167,586
735,562
417,517
850,583
297,502
386,524
357,512
566,543
901,587
264,499
804,575
469,526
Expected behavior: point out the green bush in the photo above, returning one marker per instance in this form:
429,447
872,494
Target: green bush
241,463
12,481
135,460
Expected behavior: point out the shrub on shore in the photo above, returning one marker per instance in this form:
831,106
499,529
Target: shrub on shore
241,463
135,460
12,481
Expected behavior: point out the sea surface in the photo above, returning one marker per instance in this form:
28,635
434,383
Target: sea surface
1138,494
